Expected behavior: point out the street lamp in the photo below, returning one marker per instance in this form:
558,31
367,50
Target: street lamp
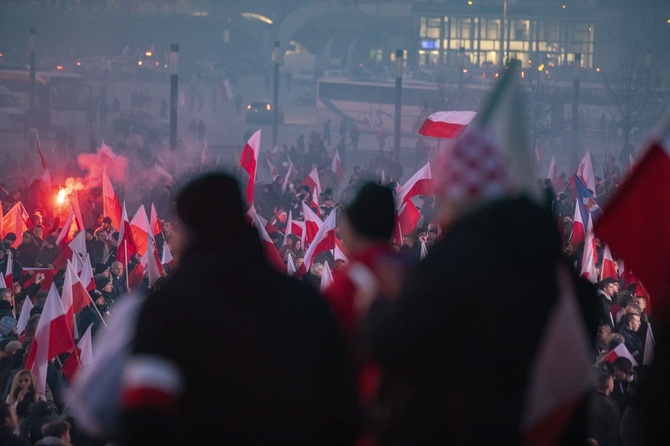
399,63
575,109
276,60
174,91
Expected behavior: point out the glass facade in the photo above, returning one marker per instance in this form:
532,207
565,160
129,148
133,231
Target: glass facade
533,41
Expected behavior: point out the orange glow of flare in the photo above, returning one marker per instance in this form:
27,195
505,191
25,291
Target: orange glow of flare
62,196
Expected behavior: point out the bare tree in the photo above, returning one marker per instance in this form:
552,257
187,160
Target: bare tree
543,101
633,86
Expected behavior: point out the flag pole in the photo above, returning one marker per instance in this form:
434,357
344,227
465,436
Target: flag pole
96,310
125,257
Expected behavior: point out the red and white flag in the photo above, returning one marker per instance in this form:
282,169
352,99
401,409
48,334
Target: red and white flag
153,262
323,241
578,226
312,181
446,124
141,230
77,246
126,248
312,223
269,248
82,356
406,219
337,167
421,183
15,220
46,177
607,269
70,228
86,277
110,202
620,351
643,243
326,277
287,177
588,270
52,338
555,176
249,162
24,316
9,267
314,205
166,257
561,373
75,297
155,222
585,173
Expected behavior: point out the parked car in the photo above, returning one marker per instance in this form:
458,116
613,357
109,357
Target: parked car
260,112
141,122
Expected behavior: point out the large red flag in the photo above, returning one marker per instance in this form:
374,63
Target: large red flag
249,162
52,338
110,202
635,222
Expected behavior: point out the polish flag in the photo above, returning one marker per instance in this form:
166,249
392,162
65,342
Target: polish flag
9,279
269,248
86,277
70,228
620,351
15,220
154,222
446,124
249,162
52,338
421,183
561,373
166,257
111,204
289,227
67,297
126,248
141,230
326,277
107,155
554,176
406,219
76,210
75,296
323,241
314,205
312,223
312,180
46,177
337,167
643,243
588,257
153,262
77,246
607,269
24,316
339,251
578,231
284,185
585,172
81,357
290,266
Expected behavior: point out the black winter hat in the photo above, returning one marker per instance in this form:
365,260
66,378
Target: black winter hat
372,211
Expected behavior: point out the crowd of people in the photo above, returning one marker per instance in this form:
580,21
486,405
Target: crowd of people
391,352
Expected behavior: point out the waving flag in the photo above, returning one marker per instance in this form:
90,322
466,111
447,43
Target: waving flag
312,181
86,277
141,230
620,351
15,220
154,222
312,223
77,246
82,356
110,202
249,162
166,257
421,183
588,270
326,277
52,338
126,248
269,248
24,316
324,240
585,172
337,167
446,124
607,269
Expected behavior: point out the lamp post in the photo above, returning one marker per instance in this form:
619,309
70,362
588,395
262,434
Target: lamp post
575,110
399,63
174,91
276,60
32,43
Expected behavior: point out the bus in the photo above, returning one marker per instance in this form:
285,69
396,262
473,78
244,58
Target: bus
60,98
371,104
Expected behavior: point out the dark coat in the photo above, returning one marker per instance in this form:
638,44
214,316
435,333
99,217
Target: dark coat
259,353
457,347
